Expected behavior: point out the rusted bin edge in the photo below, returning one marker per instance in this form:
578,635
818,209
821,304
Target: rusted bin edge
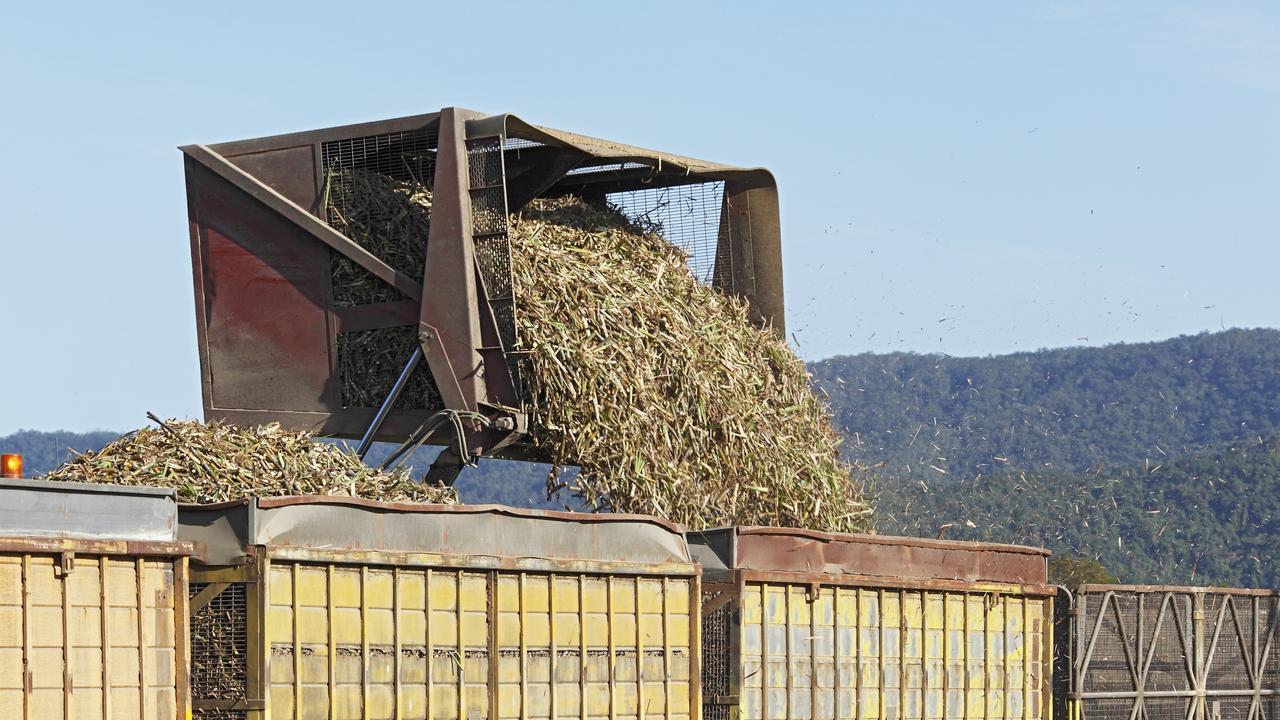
483,536
799,556
1100,589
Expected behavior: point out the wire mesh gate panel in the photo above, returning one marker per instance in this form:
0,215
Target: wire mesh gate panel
219,650
690,217
1155,652
87,637
355,169
719,648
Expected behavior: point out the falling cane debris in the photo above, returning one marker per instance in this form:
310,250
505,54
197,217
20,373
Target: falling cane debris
664,393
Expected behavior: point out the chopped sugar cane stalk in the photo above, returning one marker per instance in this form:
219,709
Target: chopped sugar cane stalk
662,390
215,462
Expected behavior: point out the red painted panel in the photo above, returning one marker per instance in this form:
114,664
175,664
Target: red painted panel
266,287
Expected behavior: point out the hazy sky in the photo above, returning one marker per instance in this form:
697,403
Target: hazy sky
968,178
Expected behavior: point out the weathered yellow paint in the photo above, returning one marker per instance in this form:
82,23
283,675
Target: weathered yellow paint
89,648
890,654
412,643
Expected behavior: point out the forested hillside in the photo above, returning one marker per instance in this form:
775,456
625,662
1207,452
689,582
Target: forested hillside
1213,518
941,418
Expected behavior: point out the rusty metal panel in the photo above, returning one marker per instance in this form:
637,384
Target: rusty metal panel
861,557
43,508
1164,651
85,636
247,258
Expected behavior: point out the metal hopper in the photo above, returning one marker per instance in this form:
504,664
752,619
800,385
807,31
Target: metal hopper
279,342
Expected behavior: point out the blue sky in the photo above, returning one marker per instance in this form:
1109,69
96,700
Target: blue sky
968,178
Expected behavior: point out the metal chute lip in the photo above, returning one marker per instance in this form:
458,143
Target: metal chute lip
280,501
620,152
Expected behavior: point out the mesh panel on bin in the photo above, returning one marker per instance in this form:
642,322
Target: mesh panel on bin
717,664
219,652
1108,709
1110,668
1227,666
1161,636
489,230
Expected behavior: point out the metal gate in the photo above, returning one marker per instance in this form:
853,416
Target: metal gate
1159,652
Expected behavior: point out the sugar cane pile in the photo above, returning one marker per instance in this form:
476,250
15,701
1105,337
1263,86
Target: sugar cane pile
214,462
664,393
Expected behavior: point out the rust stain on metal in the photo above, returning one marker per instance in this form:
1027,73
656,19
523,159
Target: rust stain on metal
869,556
147,548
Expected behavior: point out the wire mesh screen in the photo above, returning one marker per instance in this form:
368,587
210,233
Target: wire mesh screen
370,361
376,191
1166,641
1151,653
1113,645
487,186
1232,623
717,664
219,652
690,217
404,156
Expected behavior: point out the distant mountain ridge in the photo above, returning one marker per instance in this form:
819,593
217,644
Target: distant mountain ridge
941,418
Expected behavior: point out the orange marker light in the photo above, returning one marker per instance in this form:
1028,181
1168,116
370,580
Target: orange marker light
10,465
